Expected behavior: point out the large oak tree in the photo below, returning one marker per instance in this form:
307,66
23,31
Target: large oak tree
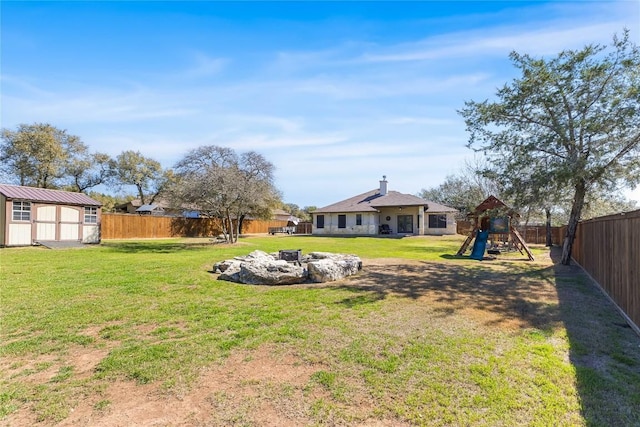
575,118
143,173
39,154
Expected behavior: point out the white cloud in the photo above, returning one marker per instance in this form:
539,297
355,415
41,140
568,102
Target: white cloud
206,66
539,41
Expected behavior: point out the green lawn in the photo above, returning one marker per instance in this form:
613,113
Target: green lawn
419,337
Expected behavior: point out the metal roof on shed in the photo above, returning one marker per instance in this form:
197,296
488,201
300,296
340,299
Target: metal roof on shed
45,195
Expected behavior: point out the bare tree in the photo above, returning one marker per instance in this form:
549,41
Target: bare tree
221,184
466,189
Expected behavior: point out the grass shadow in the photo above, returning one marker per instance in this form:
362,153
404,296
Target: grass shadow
507,293
154,247
603,349
361,299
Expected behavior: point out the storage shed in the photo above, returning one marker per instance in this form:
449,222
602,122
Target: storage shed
31,215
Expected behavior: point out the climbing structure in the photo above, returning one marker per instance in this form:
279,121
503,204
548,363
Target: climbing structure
493,218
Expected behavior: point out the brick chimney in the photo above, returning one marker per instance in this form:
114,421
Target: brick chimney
383,186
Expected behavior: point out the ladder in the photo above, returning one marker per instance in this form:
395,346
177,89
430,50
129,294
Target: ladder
466,243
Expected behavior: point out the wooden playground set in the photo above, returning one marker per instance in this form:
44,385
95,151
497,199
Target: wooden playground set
494,231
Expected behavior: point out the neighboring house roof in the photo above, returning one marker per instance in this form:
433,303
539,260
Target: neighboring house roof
150,208
283,215
372,200
280,212
136,203
47,196
158,202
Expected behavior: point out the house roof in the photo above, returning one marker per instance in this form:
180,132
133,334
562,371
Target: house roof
136,203
150,208
372,200
45,195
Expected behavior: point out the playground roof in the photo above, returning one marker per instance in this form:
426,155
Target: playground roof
490,203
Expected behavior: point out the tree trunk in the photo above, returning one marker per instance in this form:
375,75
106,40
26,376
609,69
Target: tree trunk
233,238
238,228
574,217
547,212
240,222
225,227
143,199
224,230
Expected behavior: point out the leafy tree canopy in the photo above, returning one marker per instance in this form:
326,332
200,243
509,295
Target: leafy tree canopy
571,122
39,154
144,173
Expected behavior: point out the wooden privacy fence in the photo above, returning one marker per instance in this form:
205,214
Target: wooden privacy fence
538,234
127,226
608,248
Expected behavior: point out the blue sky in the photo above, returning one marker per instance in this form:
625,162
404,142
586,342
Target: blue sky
334,94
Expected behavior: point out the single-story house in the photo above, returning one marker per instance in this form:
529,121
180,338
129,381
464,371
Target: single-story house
381,211
150,210
282,215
30,215
133,206
159,207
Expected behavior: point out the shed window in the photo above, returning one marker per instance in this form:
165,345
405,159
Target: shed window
21,211
437,221
358,219
90,215
320,221
342,221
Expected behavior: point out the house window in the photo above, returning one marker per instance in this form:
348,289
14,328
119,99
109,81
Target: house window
358,219
342,221
21,211
437,221
90,215
320,221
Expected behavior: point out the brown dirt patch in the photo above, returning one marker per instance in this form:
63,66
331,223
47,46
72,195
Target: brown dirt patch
258,387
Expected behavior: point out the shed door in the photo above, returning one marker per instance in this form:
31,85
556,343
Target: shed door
46,223
69,223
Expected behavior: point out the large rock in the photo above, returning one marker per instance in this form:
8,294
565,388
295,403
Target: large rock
256,255
229,270
334,267
261,268
274,272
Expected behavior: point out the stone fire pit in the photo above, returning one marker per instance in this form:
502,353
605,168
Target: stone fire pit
261,268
